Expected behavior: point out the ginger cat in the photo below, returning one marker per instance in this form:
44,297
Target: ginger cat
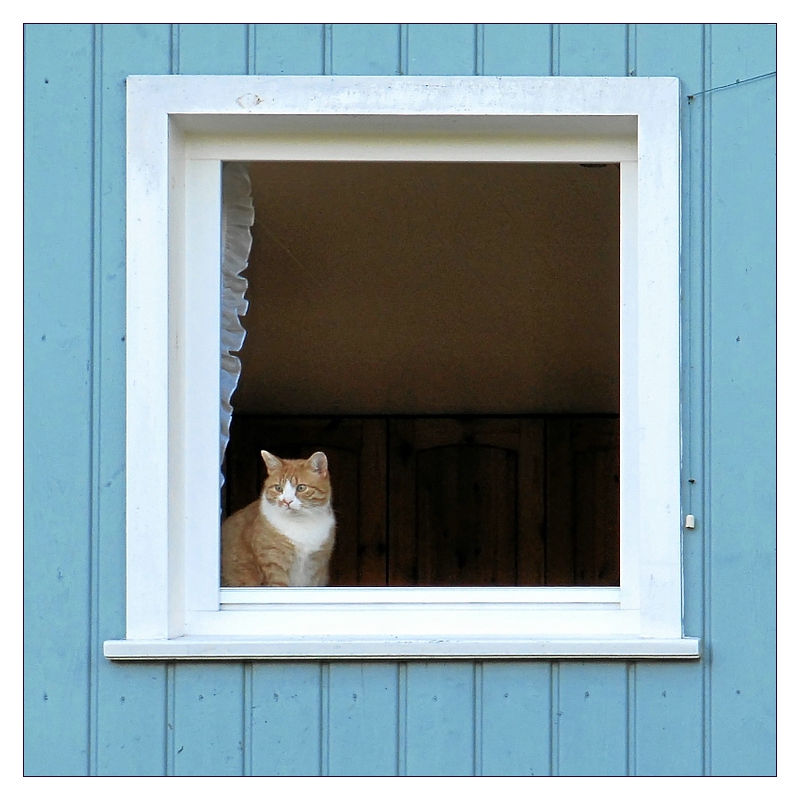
285,538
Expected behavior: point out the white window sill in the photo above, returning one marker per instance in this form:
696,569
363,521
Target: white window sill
410,647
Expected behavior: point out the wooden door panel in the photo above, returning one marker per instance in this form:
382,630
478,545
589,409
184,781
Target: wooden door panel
583,501
466,516
596,452
401,533
492,431
531,504
372,511
465,501
454,501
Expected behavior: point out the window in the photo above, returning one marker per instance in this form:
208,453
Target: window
180,131
449,337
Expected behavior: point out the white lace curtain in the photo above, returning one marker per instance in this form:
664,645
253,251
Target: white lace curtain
237,217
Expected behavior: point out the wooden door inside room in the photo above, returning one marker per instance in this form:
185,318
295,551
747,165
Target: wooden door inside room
453,501
465,501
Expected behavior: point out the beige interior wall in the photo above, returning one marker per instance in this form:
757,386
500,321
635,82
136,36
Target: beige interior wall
432,288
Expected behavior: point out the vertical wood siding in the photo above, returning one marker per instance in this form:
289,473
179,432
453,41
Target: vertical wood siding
84,715
127,717
741,425
669,728
59,119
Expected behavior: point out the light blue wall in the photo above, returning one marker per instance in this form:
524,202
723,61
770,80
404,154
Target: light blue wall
84,715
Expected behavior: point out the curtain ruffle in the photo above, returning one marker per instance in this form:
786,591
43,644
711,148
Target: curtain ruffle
238,215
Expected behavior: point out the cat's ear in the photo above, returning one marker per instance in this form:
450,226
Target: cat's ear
273,462
319,463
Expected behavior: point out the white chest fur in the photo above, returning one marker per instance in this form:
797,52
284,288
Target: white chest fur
307,530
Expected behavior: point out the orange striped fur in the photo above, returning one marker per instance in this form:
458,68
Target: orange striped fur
286,536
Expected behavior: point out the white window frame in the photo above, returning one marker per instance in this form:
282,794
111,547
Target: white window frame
180,130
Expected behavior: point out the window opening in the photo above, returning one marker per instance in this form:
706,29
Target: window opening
448,334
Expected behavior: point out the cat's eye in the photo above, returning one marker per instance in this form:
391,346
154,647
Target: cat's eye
301,487
277,487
